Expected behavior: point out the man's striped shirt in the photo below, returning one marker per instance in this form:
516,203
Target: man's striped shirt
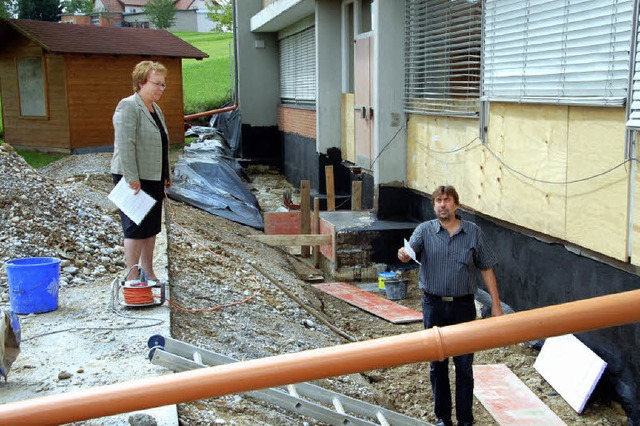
449,265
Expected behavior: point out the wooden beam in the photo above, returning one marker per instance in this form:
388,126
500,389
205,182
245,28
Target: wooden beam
316,229
331,194
305,214
293,240
356,195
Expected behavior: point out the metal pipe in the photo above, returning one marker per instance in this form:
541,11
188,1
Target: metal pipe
212,112
426,345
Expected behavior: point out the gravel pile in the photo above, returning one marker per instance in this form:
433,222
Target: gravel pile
40,217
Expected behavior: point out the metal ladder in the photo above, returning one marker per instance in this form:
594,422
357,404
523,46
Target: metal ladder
304,399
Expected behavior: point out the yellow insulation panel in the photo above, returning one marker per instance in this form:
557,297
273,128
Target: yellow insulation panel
598,206
522,174
348,128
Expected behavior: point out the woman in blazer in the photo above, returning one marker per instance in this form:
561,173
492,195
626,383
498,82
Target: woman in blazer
141,158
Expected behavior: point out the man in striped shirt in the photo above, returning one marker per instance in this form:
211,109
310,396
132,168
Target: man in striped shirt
451,252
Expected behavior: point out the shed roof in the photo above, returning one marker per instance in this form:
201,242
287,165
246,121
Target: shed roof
69,38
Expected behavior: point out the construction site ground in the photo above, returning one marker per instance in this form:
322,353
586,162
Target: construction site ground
222,298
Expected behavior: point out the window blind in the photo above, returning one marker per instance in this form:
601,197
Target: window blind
298,67
442,62
557,51
633,121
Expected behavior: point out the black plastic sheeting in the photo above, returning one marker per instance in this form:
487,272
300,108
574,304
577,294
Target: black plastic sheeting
209,177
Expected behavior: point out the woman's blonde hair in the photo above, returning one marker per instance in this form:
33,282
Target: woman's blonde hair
141,72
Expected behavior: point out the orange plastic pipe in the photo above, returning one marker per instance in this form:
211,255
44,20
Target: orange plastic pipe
426,345
212,112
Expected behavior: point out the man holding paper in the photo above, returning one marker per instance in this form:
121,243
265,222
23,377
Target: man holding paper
451,253
141,158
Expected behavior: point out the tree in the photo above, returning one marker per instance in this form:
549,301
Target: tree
6,8
221,13
78,6
161,13
39,10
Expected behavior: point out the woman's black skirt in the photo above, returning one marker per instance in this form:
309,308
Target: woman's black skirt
152,223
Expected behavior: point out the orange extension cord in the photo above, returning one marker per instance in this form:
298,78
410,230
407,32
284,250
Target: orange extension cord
138,295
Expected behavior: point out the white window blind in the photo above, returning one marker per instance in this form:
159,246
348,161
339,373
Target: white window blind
634,108
557,51
298,67
443,47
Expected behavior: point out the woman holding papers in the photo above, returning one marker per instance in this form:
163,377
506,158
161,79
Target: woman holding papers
141,158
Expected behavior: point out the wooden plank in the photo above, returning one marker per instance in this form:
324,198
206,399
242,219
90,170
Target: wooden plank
356,195
331,195
571,368
305,213
508,400
316,229
293,240
371,303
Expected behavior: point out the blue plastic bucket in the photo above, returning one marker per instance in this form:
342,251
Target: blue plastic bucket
383,276
33,284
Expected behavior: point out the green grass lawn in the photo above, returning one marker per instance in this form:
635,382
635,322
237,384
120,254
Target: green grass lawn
207,83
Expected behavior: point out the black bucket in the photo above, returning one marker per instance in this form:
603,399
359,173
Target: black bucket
396,289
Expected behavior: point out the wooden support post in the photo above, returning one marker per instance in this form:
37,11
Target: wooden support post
305,214
316,230
356,195
331,194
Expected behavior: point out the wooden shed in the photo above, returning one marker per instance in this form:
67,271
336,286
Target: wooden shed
60,83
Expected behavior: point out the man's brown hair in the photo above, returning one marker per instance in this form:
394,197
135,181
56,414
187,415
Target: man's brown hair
446,190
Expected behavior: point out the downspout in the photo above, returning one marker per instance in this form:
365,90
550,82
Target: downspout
426,345
211,112
631,134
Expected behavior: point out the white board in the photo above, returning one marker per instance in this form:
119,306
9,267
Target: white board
571,368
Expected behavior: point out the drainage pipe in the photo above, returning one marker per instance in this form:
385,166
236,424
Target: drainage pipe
425,345
212,112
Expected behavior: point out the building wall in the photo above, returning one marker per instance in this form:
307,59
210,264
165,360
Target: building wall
49,133
519,175
329,73
258,86
76,19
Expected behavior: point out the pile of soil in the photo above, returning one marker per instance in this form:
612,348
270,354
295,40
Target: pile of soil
226,295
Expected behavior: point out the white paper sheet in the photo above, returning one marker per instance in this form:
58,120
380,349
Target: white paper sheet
135,206
410,252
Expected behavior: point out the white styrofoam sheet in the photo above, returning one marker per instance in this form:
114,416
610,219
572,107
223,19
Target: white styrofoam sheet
571,368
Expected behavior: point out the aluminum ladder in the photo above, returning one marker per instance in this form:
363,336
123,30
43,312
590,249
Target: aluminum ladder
304,399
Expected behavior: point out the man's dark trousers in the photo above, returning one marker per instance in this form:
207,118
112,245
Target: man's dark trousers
440,313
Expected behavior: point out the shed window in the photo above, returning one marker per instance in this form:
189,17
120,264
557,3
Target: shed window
557,51
298,67
443,43
33,101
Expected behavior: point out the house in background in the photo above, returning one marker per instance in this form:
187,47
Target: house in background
191,15
529,108
60,84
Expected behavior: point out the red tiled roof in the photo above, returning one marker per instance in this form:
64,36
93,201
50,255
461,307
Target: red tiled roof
135,2
69,38
113,5
182,4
